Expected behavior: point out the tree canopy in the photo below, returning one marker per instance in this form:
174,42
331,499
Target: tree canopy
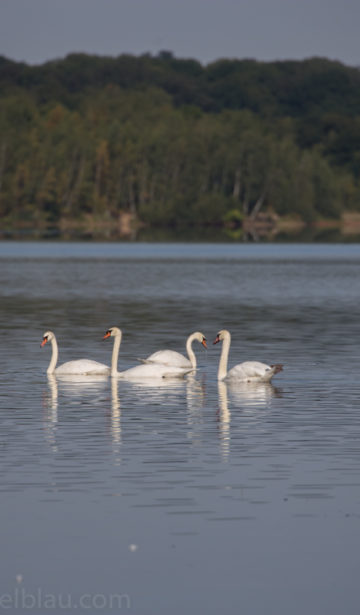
177,143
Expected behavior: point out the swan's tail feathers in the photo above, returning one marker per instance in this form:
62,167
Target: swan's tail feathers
276,368
144,361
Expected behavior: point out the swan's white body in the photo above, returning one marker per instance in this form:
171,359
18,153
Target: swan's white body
176,359
155,370
84,367
141,372
249,371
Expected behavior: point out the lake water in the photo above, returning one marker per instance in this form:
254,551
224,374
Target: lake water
185,497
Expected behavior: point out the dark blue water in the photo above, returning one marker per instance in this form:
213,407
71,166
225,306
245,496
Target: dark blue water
188,496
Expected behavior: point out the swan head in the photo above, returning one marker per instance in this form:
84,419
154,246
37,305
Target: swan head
47,337
222,335
112,332
200,337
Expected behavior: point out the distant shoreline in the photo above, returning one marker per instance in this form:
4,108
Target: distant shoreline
265,228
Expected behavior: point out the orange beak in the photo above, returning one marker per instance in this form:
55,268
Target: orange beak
204,343
107,334
43,342
216,340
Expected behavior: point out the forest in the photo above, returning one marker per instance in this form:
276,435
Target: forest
98,143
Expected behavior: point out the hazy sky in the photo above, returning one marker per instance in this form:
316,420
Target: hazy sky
38,30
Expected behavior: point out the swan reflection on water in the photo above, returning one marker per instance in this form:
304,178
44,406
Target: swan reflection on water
80,384
241,399
195,396
70,385
243,396
51,418
155,391
52,400
115,420
171,391
224,419
252,394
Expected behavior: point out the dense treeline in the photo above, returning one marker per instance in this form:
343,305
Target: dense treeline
176,143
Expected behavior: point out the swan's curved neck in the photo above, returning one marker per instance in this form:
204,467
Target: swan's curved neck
190,352
54,356
222,371
115,354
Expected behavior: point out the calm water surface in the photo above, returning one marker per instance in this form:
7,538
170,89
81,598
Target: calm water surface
187,497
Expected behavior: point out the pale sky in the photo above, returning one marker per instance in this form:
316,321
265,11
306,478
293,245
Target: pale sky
38,30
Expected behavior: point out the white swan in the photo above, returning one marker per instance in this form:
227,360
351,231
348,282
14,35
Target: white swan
141,372
176,359
249,371
85,367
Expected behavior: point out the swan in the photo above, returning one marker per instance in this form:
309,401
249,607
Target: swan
249,371
141,372
175,359
81,366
